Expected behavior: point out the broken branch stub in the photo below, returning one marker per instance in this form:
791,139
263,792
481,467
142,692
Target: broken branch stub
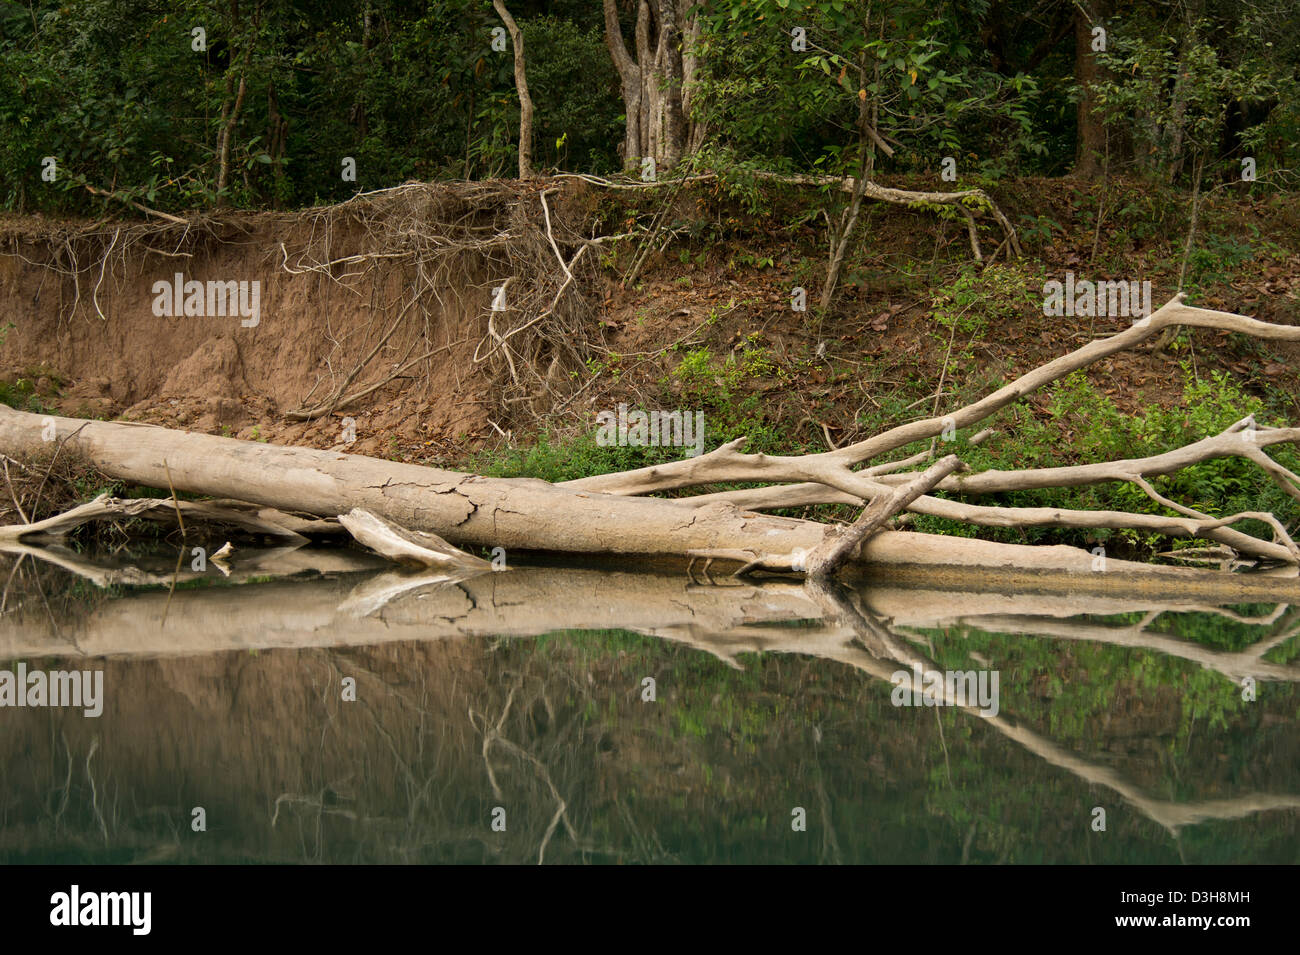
406,546
831,555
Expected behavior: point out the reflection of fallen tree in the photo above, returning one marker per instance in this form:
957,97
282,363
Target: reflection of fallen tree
492,735
529,600
864,631
1170,815
246,564
1235,666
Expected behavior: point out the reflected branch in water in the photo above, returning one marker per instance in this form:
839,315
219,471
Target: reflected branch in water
861,629
878,647
1233,665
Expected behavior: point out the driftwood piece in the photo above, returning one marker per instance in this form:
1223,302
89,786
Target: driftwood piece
406,546
264,521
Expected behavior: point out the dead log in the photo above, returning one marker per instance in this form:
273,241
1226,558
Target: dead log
522,514
833,468
468,510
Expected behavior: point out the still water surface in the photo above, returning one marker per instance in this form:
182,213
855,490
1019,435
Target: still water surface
318,707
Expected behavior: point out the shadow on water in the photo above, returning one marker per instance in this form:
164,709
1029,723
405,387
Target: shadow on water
607,714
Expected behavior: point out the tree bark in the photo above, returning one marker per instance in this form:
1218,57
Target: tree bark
1087,71
521,87
656,84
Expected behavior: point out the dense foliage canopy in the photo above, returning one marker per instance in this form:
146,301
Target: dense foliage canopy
263,103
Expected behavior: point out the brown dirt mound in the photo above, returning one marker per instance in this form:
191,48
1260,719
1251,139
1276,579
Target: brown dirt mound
391,290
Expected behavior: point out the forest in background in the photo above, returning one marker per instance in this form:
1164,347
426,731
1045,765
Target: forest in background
268,103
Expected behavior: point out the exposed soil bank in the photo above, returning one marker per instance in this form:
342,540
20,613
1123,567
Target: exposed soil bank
90,339
352,293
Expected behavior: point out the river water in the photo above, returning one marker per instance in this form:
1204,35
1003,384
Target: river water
314,706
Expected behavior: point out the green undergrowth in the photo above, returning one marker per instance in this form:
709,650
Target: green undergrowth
730,391
1079,424
20,394
1083,425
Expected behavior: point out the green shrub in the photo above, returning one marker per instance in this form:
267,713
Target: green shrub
1081,417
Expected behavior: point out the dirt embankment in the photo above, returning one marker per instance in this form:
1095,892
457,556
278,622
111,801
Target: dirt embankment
326,311
388,300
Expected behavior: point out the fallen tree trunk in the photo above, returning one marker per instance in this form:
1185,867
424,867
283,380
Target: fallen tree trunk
468,510
605,514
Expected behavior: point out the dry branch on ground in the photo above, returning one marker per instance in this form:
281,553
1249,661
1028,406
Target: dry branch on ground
837,476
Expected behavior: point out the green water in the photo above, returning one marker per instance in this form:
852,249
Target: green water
508,718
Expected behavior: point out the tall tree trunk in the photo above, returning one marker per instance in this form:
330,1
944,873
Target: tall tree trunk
277,141
521,86
1087,71
657,83
358,113
229,120
1176,151
868,115
1196,214
629,76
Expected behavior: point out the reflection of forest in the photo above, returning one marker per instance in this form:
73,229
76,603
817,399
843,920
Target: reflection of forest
478,693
